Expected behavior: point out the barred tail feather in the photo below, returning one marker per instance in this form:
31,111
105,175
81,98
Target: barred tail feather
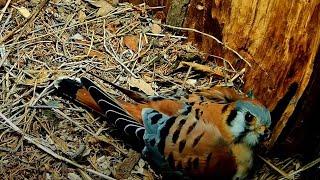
85,92
134,95
97,93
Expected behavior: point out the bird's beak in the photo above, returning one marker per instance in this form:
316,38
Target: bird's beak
266,135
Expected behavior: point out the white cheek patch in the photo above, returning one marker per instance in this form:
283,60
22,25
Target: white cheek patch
238,124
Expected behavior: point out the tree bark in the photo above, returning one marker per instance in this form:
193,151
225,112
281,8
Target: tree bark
280,38
302,134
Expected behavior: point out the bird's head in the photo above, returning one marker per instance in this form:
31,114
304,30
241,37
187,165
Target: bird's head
249,122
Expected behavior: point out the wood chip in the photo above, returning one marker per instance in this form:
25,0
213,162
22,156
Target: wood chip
204,68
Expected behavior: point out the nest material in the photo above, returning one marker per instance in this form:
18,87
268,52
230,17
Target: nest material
43,136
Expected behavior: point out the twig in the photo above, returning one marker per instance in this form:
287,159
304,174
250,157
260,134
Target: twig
115,57
309,165
223,59
275,168
29,19
187,75
163,35
214,38
48,88
78,125
6,22
155,7
4,9
238,74
73,26
49,151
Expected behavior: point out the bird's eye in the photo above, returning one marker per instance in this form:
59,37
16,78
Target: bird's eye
249,117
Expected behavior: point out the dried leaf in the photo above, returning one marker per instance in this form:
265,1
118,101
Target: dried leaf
112,27
82,16
96,3
297,166
86,152
104,7
55,175
60,144
141,163
124,168
40,77
131,42
148,175
141,84
148,77
104,164
104,10
23,11
155,28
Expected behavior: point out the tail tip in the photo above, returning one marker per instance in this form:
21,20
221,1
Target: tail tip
67,86
62,80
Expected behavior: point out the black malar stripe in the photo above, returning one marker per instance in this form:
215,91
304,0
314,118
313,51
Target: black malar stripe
231,116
